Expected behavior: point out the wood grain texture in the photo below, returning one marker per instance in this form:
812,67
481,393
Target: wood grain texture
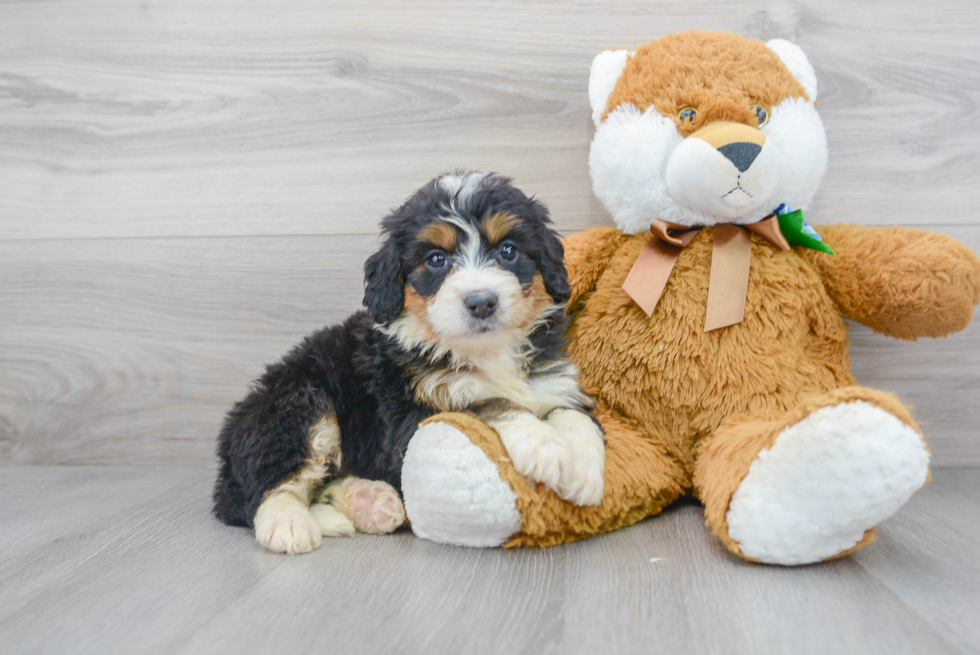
125,118
130,350
158,574
186,190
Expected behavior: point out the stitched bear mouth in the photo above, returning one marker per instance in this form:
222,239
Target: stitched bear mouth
738,187
704,179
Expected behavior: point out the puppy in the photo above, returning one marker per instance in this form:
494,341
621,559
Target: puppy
465,312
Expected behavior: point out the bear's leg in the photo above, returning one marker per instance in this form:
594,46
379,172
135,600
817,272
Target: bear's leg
810,484
461,488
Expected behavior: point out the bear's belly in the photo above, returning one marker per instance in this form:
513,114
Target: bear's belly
679,381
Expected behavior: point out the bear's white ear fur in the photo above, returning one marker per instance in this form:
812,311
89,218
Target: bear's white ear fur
606,68
797,63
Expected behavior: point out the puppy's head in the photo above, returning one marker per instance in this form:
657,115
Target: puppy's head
466,258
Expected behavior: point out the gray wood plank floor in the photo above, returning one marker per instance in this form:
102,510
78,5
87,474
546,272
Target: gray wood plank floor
128,559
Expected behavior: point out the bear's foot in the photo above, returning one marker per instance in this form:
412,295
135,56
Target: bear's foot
826,482
454,493
460,487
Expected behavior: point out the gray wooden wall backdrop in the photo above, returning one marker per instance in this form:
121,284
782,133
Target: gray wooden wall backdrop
187,188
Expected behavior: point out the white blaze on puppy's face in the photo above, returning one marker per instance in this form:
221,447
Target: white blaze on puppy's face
474,289
474,275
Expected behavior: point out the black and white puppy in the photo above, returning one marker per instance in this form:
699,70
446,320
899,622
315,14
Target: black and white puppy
465,312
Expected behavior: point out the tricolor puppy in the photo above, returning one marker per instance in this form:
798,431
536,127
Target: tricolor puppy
465,312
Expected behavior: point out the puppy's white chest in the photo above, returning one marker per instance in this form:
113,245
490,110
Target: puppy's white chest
457,389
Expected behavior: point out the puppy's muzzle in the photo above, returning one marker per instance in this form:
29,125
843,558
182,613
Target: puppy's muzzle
481,304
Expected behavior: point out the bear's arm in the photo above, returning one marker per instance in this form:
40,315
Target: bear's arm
903,282
587,255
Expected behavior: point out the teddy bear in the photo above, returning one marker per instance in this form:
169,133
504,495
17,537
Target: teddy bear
708,324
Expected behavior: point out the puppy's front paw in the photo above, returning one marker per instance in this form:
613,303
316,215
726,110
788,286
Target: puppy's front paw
566,452
284,525
533,447
582,473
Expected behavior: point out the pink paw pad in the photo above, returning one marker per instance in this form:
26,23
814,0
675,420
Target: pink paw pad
374,507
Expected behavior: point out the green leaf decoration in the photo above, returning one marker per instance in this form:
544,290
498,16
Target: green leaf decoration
791,225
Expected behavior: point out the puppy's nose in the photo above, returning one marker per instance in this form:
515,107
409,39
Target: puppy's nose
741,154
481,304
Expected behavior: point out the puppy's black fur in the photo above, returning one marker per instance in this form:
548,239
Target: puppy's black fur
364,376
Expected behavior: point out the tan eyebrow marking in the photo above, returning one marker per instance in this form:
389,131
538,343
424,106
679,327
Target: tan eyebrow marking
496,226
439,234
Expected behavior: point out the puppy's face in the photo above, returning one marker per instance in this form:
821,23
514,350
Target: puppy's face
473,277
467,258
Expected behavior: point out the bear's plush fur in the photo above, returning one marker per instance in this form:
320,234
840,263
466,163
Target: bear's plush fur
762,419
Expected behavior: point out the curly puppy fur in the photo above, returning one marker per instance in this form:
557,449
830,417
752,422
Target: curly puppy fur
465,304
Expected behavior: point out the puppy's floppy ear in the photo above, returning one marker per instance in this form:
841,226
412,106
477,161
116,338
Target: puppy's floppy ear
552,264
384,293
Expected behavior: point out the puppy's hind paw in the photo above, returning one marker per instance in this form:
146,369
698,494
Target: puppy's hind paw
331,521
374,507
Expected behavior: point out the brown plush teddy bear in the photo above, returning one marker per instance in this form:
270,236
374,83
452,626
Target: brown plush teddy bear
709,327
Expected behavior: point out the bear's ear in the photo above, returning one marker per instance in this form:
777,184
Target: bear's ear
606,69
795,60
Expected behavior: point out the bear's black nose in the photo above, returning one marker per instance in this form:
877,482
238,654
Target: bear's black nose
481,304
741,154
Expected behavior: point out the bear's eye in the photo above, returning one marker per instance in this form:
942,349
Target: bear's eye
687,115
761,113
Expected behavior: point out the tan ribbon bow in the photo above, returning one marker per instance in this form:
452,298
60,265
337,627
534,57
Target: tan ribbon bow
729,279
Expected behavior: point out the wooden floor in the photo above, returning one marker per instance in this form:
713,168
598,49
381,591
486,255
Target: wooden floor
187,188
128,560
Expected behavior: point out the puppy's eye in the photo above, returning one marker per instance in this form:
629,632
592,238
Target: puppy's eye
507,252
435,259
761,113
687,115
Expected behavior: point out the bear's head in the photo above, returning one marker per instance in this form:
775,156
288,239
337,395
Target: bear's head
702,128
